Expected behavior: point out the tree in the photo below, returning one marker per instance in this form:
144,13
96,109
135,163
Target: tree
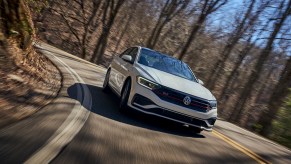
16,22
245,23
208,7
269,77
133,6
169,11
248,87
281,130
110,10
235,71
79,20
250,46
279,93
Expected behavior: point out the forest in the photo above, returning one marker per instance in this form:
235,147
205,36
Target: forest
239,48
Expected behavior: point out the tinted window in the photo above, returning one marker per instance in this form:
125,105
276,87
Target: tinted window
165,63
126,52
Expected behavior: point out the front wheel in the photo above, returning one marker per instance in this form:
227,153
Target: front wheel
124,96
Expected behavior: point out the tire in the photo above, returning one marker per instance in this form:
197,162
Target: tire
124,96
105,87
196,130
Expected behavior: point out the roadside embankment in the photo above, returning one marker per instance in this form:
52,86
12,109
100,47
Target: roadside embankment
29,81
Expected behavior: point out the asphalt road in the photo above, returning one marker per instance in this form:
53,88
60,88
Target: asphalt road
83,125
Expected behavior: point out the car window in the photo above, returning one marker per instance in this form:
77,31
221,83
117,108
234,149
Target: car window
165,63
126,52
133,53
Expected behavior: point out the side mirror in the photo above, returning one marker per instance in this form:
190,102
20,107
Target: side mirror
200,82
127,58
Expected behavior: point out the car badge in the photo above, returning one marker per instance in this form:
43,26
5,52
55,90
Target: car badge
208,108
187,100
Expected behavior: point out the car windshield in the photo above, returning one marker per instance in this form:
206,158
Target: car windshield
165,63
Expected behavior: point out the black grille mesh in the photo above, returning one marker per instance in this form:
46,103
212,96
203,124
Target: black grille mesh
177,97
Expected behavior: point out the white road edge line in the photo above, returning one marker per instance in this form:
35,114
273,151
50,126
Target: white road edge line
70,127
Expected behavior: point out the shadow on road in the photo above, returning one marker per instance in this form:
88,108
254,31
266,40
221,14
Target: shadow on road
106,105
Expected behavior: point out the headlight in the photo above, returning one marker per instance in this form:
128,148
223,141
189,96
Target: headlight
147,83
213,103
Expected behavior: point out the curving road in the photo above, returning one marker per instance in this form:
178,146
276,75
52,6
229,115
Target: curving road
83,125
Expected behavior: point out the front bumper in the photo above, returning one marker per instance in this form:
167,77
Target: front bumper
144,100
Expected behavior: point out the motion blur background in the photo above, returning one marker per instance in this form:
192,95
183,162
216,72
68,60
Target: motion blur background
239,48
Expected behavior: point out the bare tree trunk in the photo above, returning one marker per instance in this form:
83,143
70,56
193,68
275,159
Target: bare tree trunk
45,11
230,78
247,91
169,11
16,20
86,25
208,8
111,10
192,36
133,6
152,41
264,85
232,41
123,32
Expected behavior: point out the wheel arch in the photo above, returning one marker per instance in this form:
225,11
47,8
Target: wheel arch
128,78
108,69
123,105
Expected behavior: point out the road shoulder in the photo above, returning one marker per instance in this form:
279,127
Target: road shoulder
55,125
267,149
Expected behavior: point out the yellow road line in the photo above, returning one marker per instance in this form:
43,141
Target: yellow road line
240,147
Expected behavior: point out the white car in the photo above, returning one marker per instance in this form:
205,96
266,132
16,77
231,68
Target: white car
160,85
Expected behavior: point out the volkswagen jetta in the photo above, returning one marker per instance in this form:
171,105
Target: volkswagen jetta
160,85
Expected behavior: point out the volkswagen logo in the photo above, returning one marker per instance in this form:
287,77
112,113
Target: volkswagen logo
187,100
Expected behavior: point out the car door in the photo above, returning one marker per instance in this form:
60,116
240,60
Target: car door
125,68
115,70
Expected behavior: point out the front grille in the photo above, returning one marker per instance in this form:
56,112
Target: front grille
176,97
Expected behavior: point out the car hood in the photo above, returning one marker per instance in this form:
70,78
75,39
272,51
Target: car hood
176,82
